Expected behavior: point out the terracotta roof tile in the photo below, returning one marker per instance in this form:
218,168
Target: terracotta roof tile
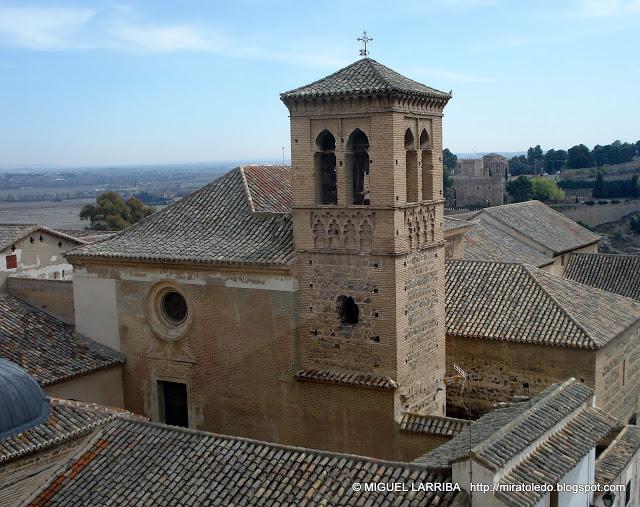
615,458
542,224
46,347
619,274
132,462
432,424
67,420
520,303
241,218
364,76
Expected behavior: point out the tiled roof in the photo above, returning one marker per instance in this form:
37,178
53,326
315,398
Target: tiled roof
46,347
131,462
364,77
269,188
483,242
520,303
432,424
353,379
504,433
67,420
87,236
545,413
556,457
216,224
452,224
542,224
619,274
11,233
612,461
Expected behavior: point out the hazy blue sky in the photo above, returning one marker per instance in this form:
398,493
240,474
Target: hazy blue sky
108,82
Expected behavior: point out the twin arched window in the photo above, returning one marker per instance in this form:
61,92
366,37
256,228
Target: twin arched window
357,158
411,164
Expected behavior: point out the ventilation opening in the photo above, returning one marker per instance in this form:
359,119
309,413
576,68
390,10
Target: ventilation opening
348,310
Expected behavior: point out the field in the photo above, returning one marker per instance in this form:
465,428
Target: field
57,215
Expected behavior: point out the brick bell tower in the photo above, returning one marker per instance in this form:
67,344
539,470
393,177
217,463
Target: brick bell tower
366,148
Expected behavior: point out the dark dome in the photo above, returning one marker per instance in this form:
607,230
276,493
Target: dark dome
23,405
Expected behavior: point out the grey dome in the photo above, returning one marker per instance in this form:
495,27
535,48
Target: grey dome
23,405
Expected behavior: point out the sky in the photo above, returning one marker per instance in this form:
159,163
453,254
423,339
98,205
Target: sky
103,82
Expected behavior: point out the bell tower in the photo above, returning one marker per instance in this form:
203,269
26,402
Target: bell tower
366,147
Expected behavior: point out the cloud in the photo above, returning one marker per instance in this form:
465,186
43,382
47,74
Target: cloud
607,8
164,38
43,27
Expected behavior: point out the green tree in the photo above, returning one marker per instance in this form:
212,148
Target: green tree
518,165
449,161
520,189
535,157
545,189
599,189
112,213
579,156
555,160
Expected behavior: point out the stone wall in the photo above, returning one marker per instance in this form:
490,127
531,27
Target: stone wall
498,370
53,296
470,191
103,387
238,359
618,375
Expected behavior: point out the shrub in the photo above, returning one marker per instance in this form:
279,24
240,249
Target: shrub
590,203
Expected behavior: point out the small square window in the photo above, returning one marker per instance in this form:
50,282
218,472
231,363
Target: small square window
12,261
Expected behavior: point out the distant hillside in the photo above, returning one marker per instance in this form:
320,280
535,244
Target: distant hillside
616,171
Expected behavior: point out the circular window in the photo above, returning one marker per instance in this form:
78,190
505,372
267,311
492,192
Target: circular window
174,307
169,311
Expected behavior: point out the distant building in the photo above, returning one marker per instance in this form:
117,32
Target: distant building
479,183
35,251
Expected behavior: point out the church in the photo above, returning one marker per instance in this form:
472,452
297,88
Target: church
305,305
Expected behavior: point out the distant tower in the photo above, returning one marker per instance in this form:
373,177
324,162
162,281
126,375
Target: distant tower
368,231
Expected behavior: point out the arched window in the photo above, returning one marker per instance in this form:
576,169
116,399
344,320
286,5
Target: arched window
325,162
348,311
425,143
427,167
411,163
358,160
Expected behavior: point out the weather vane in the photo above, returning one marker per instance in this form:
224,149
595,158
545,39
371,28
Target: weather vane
364,39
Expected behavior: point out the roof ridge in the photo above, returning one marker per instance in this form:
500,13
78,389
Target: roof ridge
247,192
323,78
534,275
541,402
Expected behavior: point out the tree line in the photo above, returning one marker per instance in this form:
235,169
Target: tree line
579,156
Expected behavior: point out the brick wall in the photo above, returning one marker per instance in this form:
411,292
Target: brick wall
53,296
498,369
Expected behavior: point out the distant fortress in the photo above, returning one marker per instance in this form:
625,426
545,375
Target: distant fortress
479,182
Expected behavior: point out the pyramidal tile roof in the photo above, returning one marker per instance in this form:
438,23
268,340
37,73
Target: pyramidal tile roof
364,76
243,217
619,274
521,303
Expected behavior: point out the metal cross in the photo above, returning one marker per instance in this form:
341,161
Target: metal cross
364,39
